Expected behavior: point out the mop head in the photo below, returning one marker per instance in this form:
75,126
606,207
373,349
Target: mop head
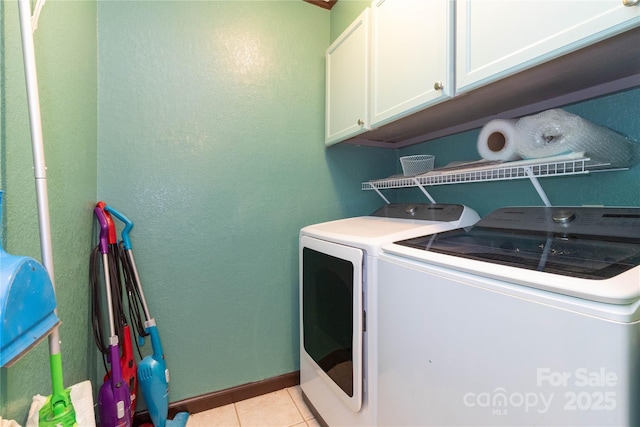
82,400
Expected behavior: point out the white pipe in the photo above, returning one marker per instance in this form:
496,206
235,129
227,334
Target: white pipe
40,169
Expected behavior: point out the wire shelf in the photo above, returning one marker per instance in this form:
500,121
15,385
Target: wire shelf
495,172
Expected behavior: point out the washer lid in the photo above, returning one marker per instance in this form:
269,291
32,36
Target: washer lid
569,255
588,252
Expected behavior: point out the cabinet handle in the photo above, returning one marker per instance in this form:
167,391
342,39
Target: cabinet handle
630,3
360,122
440,86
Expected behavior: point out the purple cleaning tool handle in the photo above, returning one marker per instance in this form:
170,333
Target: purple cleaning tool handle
104,230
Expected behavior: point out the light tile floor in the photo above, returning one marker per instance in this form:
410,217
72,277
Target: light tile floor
282,408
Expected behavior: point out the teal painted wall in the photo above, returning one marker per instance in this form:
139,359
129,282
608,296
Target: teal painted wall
66,54
210,139
204,124
619,188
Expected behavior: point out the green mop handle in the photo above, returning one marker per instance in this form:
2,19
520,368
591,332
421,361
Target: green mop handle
60,401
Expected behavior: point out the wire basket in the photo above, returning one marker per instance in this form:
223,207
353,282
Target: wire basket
416,165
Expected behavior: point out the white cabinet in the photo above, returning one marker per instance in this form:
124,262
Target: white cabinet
412,53
347,84
497,38
423,69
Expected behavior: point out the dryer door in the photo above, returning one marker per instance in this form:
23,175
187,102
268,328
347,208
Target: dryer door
332,315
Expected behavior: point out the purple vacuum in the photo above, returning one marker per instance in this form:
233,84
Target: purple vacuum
114,401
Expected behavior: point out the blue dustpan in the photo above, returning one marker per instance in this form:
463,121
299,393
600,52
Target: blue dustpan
27,305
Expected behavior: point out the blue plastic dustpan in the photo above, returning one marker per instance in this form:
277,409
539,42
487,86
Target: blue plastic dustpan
27,305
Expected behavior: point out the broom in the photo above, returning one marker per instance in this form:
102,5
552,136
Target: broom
57,410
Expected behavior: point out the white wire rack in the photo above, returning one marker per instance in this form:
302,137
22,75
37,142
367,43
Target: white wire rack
531,169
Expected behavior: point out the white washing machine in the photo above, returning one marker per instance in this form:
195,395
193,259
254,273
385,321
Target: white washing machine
530,317
338,319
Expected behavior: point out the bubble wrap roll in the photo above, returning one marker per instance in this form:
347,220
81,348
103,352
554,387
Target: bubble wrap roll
555,132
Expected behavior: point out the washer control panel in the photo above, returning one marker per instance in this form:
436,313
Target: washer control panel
592,221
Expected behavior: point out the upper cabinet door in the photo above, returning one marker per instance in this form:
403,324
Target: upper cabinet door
347,97
412,54
497,38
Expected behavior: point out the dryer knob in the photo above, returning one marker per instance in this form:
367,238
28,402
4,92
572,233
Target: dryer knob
411,209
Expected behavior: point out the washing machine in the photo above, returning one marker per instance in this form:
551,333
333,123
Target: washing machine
338,299
530,317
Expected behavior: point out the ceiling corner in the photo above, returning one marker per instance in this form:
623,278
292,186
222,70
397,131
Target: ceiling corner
325,4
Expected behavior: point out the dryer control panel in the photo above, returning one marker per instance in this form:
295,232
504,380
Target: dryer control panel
421,211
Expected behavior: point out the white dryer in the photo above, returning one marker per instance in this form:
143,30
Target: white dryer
530,317
338,298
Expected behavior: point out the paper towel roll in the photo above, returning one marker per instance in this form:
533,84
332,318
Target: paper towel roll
555,132
496,140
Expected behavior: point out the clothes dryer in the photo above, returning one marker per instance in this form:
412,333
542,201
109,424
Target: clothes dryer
338,304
